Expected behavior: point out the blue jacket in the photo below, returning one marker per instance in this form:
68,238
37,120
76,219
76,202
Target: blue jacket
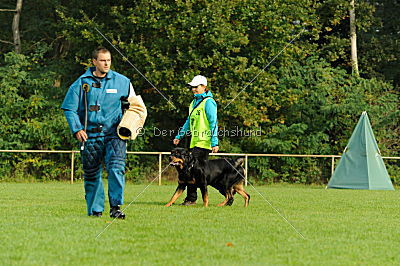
211,113
103,99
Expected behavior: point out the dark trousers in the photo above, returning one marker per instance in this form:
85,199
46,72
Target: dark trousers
200,154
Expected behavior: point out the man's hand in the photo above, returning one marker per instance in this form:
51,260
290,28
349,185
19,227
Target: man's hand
81,135
176,141
215,149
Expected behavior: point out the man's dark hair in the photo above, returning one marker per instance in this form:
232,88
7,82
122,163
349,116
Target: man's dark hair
98,50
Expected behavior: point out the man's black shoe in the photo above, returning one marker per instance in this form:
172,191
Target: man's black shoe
188,203
115,212
97,214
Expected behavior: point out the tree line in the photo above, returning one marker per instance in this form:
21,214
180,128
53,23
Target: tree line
307,101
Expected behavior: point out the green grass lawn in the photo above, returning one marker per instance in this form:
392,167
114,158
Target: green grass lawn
45,223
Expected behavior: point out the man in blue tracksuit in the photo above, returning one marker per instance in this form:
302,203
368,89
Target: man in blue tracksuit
93,110
202,124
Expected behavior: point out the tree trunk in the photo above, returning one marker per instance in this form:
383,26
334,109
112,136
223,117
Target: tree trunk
15,27
353,38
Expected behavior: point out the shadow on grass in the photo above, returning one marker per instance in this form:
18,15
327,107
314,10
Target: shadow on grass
153,203
157,203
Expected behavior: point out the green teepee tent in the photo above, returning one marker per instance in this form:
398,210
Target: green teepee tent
361,165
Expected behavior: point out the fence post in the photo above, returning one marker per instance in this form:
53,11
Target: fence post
333,165
245,169
159,168
72,166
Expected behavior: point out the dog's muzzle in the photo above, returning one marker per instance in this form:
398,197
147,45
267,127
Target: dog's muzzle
175,161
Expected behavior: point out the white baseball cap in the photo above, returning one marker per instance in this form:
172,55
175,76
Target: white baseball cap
198,80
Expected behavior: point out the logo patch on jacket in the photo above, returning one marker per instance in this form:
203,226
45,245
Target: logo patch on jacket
111,90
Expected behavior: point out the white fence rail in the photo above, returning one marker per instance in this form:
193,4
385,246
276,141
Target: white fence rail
160,154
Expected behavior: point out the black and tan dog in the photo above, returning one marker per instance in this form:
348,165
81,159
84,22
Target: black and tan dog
226,175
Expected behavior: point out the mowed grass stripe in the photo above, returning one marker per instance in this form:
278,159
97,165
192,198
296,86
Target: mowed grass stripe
45,223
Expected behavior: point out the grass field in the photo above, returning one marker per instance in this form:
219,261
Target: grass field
45,224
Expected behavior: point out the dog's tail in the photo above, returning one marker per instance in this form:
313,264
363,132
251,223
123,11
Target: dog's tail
239,162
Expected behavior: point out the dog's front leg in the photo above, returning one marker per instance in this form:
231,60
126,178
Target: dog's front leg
178,192
204,193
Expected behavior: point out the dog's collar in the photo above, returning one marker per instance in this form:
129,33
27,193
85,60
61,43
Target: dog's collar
190,166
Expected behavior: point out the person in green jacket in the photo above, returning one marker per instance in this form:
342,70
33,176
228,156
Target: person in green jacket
203,126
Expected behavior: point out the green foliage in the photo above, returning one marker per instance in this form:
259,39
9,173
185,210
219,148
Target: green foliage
318,109
379,45
304,102
29,119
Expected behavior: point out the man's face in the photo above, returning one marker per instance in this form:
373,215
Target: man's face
103,62
199,89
